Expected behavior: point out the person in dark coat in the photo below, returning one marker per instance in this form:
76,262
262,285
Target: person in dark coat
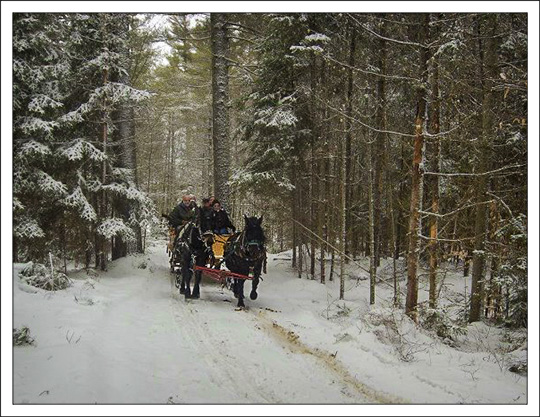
205,214
221,224
183,213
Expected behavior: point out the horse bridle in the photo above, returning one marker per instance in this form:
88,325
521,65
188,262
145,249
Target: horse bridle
253,242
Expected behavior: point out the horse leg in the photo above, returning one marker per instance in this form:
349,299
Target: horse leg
196,289
253,295
179,282
240,288
187,279
182,276
235,287
186,275
255,283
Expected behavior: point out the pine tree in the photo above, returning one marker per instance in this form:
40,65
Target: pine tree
68,88
39,66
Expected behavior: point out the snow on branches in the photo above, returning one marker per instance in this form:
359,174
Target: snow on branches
48,184
34,124
80,148
27,228
77,199
108,95
115,226
42,102
33,149
280,117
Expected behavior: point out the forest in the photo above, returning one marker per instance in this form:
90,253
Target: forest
400,138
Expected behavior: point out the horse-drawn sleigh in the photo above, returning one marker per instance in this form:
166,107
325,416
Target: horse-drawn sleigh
228,259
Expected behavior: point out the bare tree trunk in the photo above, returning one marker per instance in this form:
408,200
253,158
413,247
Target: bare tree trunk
220,106
333,216
417,178
300,259
371,209
479,255
15,250
327,215
390,200
343,220
312,222
321,209
348,139
435,129
401,199
103,206
379,147
294,211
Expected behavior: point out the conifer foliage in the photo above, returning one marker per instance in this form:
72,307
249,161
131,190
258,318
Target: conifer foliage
74,194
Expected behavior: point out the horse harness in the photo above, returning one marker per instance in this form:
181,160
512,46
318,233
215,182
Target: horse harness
238,247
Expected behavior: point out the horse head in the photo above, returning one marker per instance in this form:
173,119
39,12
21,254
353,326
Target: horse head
253,238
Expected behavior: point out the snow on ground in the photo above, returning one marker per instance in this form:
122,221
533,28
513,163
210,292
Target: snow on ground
128,337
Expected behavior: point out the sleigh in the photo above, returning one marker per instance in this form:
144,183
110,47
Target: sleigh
216,270
219,246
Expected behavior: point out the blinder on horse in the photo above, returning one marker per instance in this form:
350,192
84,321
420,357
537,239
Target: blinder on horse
253,250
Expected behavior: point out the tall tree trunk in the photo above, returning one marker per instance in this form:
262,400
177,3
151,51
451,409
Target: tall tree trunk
434,180
15,249
321,213
103,204
348,139
379,146
393,241
417,176
343,220
371,209
294,210
327,215
488,125
401,203
125,152
220,107
312,199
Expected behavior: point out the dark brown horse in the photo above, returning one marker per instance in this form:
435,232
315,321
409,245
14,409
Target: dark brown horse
192,248
245,254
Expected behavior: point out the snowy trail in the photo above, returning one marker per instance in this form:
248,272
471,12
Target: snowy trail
142,334
128,336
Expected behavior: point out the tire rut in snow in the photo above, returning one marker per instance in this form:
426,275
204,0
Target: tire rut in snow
227,375
291,340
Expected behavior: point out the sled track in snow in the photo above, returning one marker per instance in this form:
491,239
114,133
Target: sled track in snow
292,341
226,372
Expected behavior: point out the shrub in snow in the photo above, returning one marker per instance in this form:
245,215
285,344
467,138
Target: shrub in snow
38,275
519,368
440,323
397,330
22,337
517,351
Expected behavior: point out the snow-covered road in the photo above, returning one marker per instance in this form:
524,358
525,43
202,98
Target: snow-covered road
133,339
127,336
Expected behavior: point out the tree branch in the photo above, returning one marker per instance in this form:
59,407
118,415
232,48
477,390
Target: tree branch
472,174
384,37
